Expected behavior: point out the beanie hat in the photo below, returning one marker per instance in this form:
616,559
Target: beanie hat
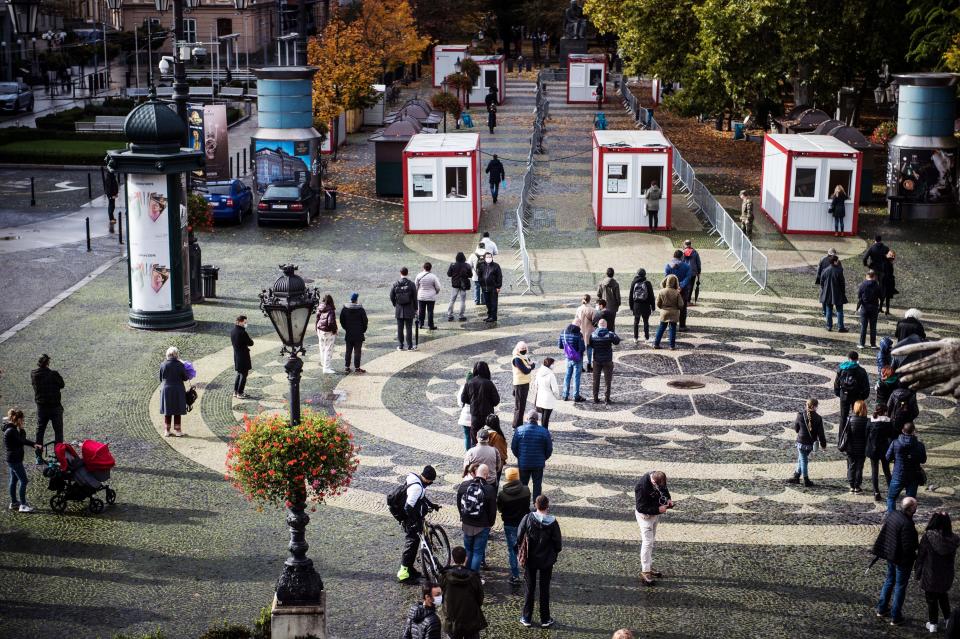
429,473
354,297
512,474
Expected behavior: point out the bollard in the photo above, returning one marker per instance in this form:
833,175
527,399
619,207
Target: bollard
245,160
120,227
88,234
89,186
33,193
230,175
238,164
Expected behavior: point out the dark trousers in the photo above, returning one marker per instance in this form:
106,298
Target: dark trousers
49,415
425,312
494,190
353,348
111,207
606,368
537,475
408,325
653,219
936,600
520,393
645,316
475,426
411,543
868,318
457,635
612,322
686,293
875,465
532,575
855,470
240,381
491,300
845,406
545,417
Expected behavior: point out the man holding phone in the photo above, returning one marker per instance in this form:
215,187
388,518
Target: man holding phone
652,500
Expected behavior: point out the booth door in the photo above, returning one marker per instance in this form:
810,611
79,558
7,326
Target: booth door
578,91
842,172
650,168
595,76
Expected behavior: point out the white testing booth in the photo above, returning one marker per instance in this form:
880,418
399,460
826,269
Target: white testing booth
800,172
492,74
373,115
441,183
624,165
584,72
445,57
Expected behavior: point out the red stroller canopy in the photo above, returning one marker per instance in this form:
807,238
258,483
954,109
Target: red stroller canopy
62,450
96,456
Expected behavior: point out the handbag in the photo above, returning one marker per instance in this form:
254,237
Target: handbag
191,398
843,440
523,549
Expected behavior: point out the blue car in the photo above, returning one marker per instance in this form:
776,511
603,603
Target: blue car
229,200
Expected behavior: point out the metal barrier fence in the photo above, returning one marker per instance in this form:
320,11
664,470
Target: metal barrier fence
698,197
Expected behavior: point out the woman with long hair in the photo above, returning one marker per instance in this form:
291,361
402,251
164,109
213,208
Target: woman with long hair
326,332
856,445
14,439
809,427
934,569
838,209
879,435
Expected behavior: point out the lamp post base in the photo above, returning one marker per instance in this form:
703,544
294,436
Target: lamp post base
161,320
289,622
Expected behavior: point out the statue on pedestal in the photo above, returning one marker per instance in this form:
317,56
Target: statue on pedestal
574,24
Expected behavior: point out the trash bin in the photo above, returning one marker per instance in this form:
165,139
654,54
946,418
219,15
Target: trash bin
330,199
737,130
208,278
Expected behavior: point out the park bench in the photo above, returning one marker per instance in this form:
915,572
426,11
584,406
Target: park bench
201,92
102,123
231,92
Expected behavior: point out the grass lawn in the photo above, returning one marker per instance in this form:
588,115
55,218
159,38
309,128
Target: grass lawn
57,151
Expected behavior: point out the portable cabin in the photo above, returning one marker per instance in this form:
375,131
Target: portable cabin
336,134
441,183
445,57
492,74
373,115
584,72
800,172
388,147
624,165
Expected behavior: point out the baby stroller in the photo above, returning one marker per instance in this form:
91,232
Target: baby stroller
76,477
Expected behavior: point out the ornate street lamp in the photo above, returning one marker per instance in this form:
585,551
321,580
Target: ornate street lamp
161,5
23,15
240,5
289,305
191,4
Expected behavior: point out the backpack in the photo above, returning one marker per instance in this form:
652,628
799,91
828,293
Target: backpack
900,400
473,501
640,293
397,500
848,383
403,294
523,550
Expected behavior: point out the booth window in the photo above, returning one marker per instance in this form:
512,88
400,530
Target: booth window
457,184
805,183
617,178
490,79
842,177
596,77
650,174
422,185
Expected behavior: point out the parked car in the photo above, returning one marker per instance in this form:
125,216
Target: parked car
288,201
229,200
15,96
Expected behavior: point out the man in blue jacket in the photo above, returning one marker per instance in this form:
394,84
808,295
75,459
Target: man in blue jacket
603,340
532,446
573,347
677,266
907,453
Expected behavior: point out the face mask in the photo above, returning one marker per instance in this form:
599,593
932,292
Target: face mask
523,352
438,600
488,260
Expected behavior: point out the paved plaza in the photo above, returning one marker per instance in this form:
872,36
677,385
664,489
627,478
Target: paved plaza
745,555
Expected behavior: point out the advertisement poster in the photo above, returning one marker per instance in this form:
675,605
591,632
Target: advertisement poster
195,125
149,242
216,149
281,160
926,175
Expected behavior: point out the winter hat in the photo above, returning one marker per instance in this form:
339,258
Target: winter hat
832,252
354,297
512,474
483,435
642,273
429,473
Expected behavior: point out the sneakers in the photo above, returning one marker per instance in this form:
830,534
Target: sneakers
461,319
897,621
566,398
359,371
931,627
449,318
14,505
407,574
400,348
646,578
328,371
526,623
346,371
877,497
24,508
548,623
579,398
843,330
412,348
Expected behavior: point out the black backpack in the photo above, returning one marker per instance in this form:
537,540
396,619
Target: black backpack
404,295
473,501
848,383
397,500
640,293
900,401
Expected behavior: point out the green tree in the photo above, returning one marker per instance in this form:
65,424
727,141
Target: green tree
935,24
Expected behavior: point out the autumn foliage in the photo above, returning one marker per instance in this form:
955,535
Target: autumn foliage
346,74
274,462
389,33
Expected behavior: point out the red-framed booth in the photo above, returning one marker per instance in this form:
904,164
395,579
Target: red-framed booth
442,187
624,165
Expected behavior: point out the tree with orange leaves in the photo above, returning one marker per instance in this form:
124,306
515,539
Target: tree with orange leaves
389,32
346,71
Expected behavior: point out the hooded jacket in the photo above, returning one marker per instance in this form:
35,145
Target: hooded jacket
547,388
609,291
861,381
353,320
641,307
474,262
935,558
462,602
327,319
884,355
603,340
907,453
571,341
14,439
692,259
480,393
681,269
669,299
521,366
879,435
833,286
422,623
910,326
460,273
875,256
532,446
513,502
544,541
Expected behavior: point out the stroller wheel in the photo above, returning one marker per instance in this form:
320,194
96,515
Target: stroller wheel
96,505
111,496
58,503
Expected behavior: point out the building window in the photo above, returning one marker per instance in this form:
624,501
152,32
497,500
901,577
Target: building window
805,183
190,29
841,177
617,178
422,186
457,186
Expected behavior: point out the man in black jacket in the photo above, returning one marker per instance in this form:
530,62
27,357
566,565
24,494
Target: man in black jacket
477,504
544,543
869,298
463,600
513,502
876,256
496,175
422,619
897,543
481,394
403,296
491,281
851,383
652,500
833,293
47,385
241,342
460,274
353,321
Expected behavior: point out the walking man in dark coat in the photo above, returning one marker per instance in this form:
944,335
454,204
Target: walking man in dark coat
353,321
241,342
403,296
47,385
544,543
833,293
111,189
851,383
609,291
496,175
462,599
897,543
869,299
825,261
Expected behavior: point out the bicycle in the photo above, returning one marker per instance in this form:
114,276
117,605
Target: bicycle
434,550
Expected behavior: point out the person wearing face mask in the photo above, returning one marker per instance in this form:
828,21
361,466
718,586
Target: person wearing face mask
241,342
522,366
415,507
491,280
422,619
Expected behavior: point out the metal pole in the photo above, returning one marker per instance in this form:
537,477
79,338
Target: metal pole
245,160
88,234
136,48
180,88
33,194
120,227
149,52
231,168
89,186
106,55
238,163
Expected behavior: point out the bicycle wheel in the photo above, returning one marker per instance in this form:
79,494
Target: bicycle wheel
431,569
439,544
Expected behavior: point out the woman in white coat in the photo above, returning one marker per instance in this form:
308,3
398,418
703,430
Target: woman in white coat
547,391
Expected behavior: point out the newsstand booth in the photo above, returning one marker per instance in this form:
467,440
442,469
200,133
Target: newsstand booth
445,57
441,183
336,135
492,74
800,172
584,72
624,165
